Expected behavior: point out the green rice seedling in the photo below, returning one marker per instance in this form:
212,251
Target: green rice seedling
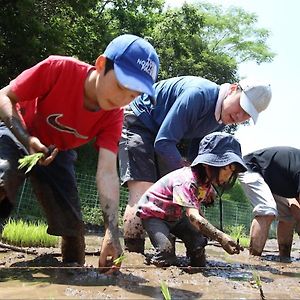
119,260
256,278
165,291
28,234
238,234
29,161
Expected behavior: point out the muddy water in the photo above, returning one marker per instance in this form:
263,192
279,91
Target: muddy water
24,276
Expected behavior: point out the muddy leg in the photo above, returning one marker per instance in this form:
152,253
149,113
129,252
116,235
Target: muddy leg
285,232
73,249
259,233
198,258
193,240
163,242
134,236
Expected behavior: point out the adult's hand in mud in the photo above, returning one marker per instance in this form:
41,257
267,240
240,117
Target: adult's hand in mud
229,245
110,250
50,152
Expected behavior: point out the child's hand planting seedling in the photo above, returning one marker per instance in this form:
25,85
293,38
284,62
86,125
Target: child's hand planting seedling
30,161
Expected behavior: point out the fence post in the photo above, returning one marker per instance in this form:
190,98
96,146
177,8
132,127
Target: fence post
21,196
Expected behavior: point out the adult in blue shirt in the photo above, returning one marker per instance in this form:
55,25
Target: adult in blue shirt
186,107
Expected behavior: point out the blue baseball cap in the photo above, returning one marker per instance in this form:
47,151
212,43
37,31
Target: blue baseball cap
219,149
136,62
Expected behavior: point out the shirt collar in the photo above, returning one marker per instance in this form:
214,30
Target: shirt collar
223,93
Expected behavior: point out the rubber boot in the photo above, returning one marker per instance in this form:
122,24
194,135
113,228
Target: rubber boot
134,245
73,250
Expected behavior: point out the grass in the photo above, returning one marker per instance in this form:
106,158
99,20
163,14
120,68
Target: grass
238,234
28,234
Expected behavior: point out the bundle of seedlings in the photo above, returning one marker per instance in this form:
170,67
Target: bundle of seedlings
30,161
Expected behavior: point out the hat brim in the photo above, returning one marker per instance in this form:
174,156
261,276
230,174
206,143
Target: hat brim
130,80
248,107
219,160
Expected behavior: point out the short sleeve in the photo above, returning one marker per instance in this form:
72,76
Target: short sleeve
186,195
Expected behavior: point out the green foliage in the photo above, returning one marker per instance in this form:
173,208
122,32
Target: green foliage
28,234
87,159
198,39
237,209
92,215
236,194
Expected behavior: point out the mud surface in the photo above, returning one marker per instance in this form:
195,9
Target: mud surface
42,276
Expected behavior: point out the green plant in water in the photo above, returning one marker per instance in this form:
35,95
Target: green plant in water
28,234
29,161
256,278
238,234
119,259
165,291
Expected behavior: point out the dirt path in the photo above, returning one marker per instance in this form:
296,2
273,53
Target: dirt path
27,276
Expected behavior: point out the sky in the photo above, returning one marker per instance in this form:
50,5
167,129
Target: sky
279,124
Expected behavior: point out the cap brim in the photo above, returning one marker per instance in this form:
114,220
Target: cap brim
248,107
130,80
219,161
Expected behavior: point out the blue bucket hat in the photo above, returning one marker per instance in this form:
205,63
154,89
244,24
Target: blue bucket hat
219,149
136,62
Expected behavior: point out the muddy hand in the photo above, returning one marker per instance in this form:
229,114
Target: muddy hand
230,246
50,152
110,252
49,155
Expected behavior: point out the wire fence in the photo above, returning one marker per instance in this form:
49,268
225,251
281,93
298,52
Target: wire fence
233,213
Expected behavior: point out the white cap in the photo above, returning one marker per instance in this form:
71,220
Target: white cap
256,96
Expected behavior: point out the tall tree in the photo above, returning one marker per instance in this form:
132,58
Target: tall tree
209,41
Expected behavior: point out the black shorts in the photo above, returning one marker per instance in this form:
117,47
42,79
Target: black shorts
137,158
55,185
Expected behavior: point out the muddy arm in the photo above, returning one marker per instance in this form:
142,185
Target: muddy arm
108,187
9,115
11,118
207,229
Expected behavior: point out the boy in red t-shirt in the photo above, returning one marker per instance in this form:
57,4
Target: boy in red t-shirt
62,103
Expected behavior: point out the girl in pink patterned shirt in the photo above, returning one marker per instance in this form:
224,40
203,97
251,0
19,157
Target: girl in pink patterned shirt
171,207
